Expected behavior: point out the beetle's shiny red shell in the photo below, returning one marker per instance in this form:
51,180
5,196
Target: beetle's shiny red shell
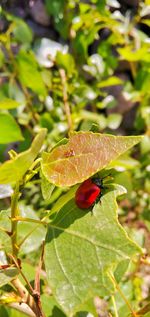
86,194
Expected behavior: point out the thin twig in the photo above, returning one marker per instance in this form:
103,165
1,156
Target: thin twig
20,271
38,272
14,214
35,116
27,298
37,290
65,98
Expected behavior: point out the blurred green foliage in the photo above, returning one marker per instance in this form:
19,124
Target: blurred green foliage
104,52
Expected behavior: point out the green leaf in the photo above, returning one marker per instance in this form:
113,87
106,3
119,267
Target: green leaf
7,275
29,74
124,162
81,249
121,269
34,240
114,120
50,306
29,270
2,58
63,200
13,170
10,312
125,180
85,154
55,7
34,233
133,55
3,311
46,188
5,227
9,130
145,144
22,32
9,104
146,21
111,81
65,61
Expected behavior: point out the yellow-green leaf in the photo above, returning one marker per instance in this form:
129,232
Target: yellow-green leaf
9,129
85,154
9,104
13,170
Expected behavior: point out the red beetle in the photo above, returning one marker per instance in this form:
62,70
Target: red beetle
88,192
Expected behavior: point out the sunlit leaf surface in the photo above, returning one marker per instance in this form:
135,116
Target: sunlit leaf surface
81,248
85,154
12,171
9,129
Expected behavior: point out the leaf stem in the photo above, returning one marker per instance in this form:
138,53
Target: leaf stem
25,219
39,222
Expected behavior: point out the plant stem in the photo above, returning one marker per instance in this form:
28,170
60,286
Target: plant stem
35,116
14,214
30,300
27,298
144,310
123,296
115,307
133,69
65,98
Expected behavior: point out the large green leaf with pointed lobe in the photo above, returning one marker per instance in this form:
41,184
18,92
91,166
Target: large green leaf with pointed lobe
13,170
82,247
85,154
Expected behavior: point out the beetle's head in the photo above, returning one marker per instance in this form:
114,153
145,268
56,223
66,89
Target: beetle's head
98,181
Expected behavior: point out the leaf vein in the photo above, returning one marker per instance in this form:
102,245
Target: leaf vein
95,243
